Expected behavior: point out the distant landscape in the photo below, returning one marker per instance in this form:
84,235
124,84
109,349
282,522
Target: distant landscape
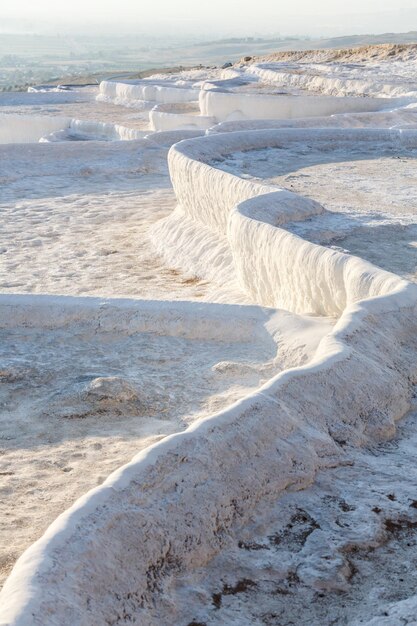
31,59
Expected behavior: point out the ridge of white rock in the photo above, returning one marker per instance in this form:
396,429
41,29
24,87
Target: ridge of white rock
43,128
176,319
179,103
145,91
231,106
178,502
401,117
167,138
29,128
165,117
314,79
275,267
174,506
103,130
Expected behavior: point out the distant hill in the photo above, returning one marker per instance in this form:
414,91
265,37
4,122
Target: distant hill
361,53
248,46
361,40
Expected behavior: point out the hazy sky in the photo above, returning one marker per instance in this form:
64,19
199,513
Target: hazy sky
216,16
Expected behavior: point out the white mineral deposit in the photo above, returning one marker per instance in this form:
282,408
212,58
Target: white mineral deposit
208,345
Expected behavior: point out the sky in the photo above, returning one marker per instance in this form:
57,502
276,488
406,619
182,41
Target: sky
221,17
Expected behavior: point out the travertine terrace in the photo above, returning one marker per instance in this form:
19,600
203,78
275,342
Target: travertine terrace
208,346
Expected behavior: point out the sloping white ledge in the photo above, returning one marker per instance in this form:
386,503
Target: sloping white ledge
145,90
43,128
166,117
275,267
29,128
107,558
402,117
232,106
273,73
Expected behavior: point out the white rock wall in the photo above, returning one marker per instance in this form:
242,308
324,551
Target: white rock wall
123,92
275,267
114,553
235,106
29,128
327,84
163,120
